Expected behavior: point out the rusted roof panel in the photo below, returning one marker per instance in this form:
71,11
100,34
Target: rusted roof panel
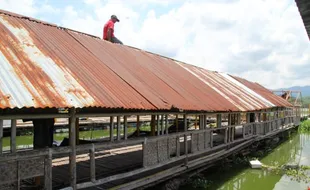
48,66
264,92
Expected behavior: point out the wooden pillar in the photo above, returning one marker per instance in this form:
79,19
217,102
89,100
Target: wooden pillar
48,171
177,122
138,125
153,123
92,163
185,122
162,124
166,124
72,137
158,123
112,128
196,122
77,129
118,128
13,136
219,120
125,127
1,135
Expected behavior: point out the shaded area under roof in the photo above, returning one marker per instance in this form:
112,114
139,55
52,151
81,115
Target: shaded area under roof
304,9
47,66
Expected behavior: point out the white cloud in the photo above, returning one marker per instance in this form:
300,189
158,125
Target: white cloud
25,7
263,41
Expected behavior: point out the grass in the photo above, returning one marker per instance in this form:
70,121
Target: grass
305,126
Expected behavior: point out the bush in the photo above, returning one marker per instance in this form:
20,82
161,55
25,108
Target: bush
305,126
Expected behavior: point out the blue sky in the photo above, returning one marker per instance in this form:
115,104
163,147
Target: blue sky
262,41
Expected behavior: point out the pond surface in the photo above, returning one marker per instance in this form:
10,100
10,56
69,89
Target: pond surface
294,150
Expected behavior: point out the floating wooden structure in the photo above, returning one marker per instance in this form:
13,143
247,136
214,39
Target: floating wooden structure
47,68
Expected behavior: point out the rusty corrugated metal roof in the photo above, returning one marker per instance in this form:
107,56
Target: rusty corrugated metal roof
48,66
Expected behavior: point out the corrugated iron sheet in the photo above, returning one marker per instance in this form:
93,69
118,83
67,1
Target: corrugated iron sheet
47,66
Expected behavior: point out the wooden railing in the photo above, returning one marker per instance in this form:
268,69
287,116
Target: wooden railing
157,151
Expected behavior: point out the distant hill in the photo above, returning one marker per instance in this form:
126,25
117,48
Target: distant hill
305,90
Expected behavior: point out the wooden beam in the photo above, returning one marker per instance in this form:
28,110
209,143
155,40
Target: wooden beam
185,122
72,137
118,128
125,127
153,123
13,136
1,135
112,128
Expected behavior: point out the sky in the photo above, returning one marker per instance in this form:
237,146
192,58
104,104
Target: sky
261,40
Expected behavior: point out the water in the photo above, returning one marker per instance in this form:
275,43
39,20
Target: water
296,149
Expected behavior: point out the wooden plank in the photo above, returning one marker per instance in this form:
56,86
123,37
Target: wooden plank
18,174
177,146
111,128
125,127
153,123
186,148
92,164
219,120
185,122
13,136
77,128
144,153
177,122
211,139
118,128
1,135
48,171
72,137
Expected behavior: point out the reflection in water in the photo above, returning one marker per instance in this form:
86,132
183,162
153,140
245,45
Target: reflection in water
296,149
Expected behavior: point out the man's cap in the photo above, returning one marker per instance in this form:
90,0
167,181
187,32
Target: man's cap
115,17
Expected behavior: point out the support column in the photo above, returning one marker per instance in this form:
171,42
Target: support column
72,137
219,120
158,123
138,125
77,128
177,122
112,128
118,128
166,124
185,122
125,127
13,136
196,122
1,135
162,125
153,123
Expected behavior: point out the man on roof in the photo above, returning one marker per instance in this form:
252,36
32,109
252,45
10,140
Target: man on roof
108,30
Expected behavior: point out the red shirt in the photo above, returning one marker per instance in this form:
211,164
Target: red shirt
107,26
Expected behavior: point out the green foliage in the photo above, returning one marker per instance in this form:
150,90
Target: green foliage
305,126
299,174
306,101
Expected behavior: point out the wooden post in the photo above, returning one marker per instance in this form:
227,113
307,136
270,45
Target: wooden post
118,128
72,137
92,164
211,139
186,148
138,125
144,152
185,122
48,183
162,124
158,125
153,123
196,122
125,127
219,120
77,129
166,124
112,128
1,135
177,122
178,146
13,136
